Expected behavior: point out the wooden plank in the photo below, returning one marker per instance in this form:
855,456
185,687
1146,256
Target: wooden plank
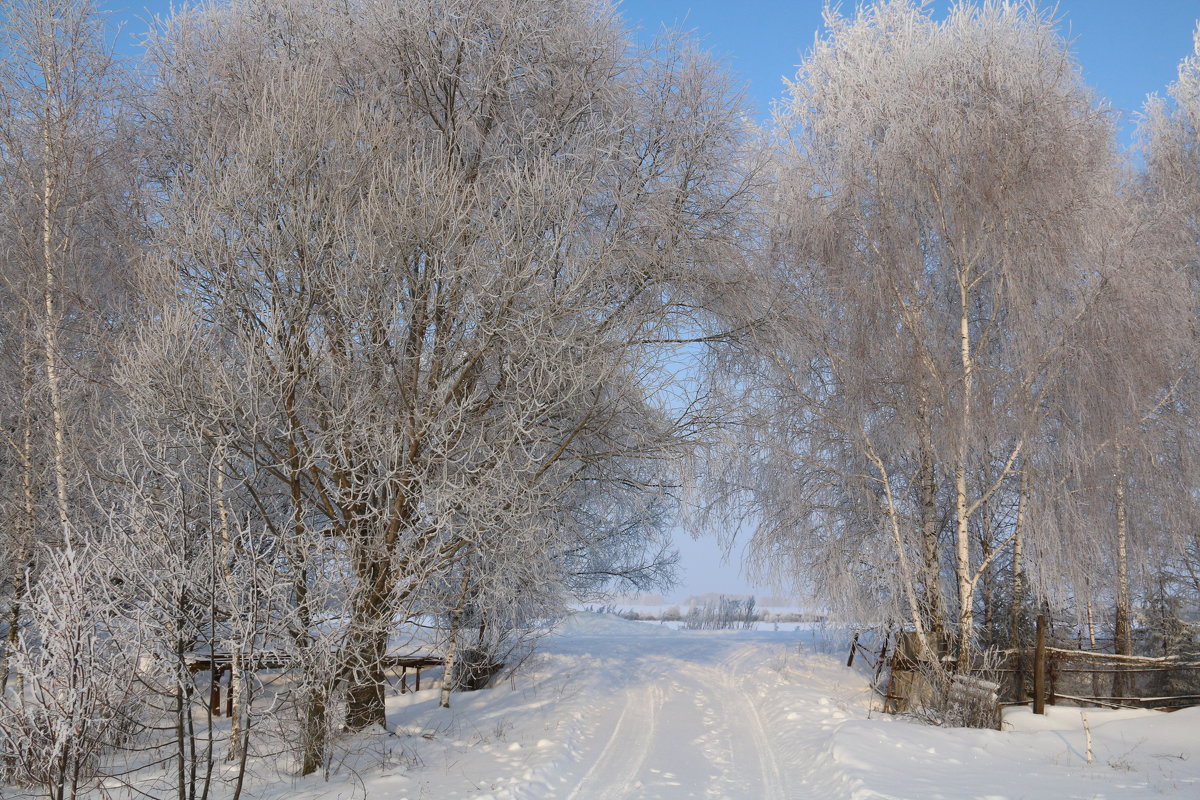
1051,680
1092,655
1039,668
1097,701
1122,670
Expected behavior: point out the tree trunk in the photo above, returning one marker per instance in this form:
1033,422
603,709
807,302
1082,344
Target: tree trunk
452,645
228,557
1122,638
451,661
1091,629
907,579
315,726
988,594
50,289
1124,645
367,643
181,708
931,568
1017,600
985,549
1018,578
962,549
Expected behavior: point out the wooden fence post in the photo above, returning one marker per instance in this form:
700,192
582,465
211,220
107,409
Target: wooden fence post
214,687
1039,668
853,644
1019,676
1051,680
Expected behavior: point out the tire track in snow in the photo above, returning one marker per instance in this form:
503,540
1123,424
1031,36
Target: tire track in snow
811,705
745,712
613,774
772,780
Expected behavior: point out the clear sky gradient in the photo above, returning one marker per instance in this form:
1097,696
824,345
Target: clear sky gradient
1126,48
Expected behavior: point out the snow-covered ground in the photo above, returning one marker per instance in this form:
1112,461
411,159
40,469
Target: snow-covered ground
613,709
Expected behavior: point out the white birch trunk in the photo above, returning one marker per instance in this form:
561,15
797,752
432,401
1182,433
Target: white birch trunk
1018,587
50,285
962,548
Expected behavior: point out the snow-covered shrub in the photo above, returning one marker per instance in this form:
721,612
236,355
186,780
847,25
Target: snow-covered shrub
75,664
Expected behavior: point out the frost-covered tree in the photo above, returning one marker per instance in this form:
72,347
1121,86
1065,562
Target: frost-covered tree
1170,136
414,267
938,182
1116,454
77,660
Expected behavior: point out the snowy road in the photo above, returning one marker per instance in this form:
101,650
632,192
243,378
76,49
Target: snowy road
691,731
690,715
617,710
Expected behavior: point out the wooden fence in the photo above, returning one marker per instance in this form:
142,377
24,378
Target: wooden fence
1087,677
1042,675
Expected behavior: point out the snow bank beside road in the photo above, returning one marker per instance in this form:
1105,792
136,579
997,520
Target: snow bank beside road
1136,754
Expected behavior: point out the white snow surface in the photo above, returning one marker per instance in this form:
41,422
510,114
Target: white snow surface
611,709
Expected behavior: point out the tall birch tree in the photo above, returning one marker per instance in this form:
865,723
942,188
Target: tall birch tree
937,183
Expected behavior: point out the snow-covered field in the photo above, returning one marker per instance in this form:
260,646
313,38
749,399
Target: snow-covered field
617,709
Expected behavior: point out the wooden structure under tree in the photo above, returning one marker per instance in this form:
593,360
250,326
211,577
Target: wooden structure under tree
218,663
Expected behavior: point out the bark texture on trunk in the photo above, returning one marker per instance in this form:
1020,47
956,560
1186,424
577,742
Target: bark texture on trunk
1018,577
1123,644
931,594
314,730
367,643
50,291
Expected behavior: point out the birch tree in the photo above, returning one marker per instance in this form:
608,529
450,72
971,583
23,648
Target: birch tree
1169,133
937,182
65,194
1116,455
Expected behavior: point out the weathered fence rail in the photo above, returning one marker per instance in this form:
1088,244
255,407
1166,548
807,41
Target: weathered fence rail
1108,680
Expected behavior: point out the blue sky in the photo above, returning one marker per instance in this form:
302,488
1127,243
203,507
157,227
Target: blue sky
1127,49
